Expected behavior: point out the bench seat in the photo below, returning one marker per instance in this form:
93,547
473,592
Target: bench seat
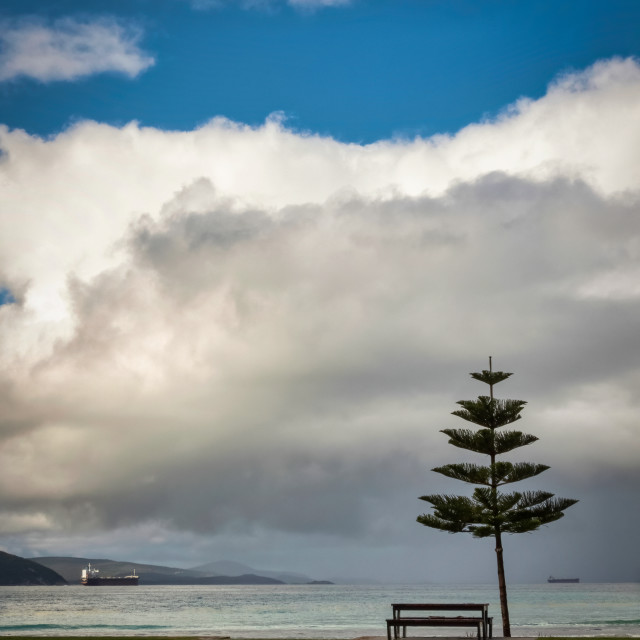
431,621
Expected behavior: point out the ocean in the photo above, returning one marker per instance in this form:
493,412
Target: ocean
308,611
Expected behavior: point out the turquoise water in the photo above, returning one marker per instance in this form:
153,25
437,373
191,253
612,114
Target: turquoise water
307,611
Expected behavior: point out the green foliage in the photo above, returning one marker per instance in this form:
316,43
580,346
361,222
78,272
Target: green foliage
487,440
489,511
490,413
491,377
499,473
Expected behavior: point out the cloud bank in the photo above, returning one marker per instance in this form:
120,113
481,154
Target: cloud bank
261,4
69,49
258,333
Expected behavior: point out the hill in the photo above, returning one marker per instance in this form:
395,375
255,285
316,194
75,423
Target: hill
17,571
237,569
71,568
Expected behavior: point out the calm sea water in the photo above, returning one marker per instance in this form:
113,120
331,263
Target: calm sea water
309,611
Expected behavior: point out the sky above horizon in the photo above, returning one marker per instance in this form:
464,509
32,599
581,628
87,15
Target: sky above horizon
251,250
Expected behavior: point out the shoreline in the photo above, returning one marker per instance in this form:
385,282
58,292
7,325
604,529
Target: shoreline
225,637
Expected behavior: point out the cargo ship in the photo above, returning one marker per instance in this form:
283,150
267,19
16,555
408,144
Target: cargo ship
92,578
553,580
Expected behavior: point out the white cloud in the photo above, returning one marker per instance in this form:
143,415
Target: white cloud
69,49
312,4
256,322
265,4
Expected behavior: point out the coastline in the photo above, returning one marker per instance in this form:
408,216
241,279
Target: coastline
223,637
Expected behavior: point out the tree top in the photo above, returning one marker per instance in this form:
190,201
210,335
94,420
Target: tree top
491,377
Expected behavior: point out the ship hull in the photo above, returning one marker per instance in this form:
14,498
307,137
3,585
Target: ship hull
555,580
110,582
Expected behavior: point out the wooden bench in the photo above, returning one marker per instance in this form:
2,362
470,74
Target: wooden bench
483,623
431,621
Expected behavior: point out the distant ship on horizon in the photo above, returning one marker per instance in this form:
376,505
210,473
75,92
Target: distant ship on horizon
92,578
553,580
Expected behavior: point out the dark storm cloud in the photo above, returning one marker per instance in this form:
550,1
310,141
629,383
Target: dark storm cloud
283,340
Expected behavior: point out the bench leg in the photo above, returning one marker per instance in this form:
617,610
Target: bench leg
396,631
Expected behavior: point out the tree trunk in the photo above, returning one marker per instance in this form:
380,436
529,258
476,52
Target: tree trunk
502,584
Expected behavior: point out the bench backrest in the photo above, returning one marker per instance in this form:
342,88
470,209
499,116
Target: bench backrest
439,606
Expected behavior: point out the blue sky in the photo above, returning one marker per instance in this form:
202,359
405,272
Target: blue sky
361,71
250,251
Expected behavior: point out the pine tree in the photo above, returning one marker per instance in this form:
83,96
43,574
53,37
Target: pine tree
491,512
